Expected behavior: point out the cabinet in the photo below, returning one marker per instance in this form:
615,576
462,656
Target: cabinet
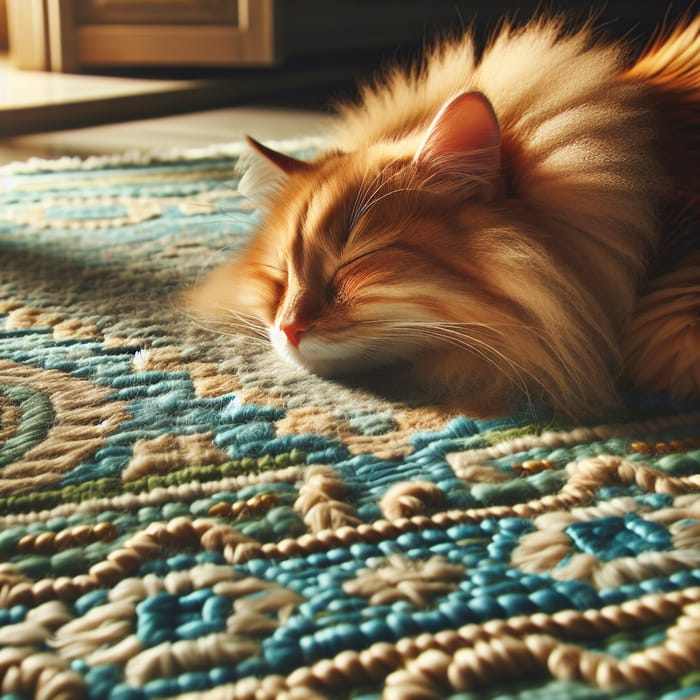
70,35
91,35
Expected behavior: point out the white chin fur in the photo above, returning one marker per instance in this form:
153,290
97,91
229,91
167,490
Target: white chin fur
328,358
284,347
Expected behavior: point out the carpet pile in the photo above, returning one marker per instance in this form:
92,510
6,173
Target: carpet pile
182,516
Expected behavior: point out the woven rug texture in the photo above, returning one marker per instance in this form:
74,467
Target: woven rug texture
184,516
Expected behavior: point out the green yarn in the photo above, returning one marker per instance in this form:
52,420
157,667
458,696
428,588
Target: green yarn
110,487
36,417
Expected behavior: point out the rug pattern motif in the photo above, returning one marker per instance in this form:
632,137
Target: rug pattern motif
183,517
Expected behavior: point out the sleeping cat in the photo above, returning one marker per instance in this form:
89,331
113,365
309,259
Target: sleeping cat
519,225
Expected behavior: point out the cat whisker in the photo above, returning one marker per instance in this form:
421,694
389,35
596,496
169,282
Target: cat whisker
357,202
378,199
468,341
246,321
370,199
221,328
442,324
480,346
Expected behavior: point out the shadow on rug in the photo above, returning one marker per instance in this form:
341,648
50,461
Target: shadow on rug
181,516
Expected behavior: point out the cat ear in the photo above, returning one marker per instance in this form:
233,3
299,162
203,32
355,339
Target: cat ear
463,142
283,162
265,171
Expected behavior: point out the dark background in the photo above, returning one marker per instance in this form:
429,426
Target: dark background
336,42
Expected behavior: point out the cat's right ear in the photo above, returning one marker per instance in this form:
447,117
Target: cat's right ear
462,145
266,171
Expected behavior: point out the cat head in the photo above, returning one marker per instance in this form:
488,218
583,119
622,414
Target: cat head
356,255
402,252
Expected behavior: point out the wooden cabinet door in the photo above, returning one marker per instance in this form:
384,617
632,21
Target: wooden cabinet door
159,11
67,35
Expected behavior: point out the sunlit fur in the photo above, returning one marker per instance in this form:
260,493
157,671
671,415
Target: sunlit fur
490,291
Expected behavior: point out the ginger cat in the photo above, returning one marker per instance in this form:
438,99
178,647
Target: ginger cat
522,224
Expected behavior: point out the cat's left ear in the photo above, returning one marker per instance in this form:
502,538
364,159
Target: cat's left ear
463,142
266,171
281,161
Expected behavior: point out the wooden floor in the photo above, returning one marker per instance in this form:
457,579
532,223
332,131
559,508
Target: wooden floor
182,131
21,91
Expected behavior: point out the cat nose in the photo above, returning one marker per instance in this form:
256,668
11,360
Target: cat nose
294,330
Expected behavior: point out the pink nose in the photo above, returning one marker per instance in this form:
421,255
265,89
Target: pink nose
293,331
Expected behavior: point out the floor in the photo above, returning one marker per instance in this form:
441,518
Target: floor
181,131
20,91
33,104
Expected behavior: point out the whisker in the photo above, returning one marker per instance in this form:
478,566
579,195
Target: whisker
359,198
378,199
371,199
398,323
220,328
451,333
246,321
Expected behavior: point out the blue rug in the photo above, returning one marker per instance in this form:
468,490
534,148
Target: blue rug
183,516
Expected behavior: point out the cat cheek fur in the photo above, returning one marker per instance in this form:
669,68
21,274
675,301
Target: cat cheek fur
235,296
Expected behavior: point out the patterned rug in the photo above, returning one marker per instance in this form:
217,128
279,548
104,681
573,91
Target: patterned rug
182,516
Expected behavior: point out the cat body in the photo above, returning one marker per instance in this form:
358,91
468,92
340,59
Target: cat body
487,223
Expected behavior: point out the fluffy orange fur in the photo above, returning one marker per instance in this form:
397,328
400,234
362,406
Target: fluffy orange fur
485,224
